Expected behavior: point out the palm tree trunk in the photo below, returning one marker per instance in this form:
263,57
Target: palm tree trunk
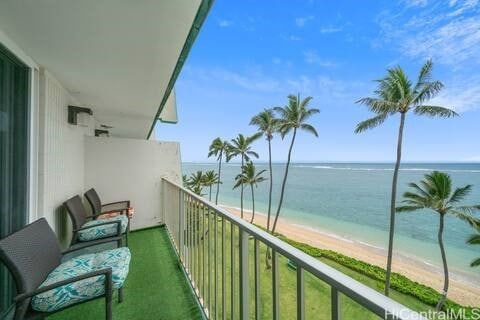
219,172
271,183
284,182
253,204
445,266
210,194
241,195
393,205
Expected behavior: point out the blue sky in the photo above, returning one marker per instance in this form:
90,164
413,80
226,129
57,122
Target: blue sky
251,54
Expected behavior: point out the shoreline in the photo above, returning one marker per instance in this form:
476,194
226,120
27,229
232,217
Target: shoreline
462,290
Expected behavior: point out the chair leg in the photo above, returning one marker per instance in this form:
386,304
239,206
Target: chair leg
120,295
108,296
126,239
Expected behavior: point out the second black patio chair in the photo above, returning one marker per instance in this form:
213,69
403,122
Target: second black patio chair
88,229
46,285
98,208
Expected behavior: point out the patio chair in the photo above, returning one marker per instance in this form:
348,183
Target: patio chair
98,208
46,285
86,228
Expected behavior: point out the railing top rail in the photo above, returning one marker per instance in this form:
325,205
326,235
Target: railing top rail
362,294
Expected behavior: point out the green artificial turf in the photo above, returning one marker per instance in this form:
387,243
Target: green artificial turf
155,288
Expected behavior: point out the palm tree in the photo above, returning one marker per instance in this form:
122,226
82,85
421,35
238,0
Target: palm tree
474,240
267,124
249,176
242,146
209,179
435,192
396,94
218,148
293,117
196,182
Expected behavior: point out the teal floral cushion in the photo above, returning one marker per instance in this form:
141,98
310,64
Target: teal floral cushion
61,297
103,231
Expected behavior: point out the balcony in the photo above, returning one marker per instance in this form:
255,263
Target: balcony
206,263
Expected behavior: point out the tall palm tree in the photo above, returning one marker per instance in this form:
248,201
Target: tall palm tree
267,124
396,94
292,118
435,192
196,182
250,177
242,146
209,179
219,149
475,240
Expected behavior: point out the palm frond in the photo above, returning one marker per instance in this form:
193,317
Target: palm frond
434,111
371,123
460,193
475,263
408,208
474,239
378,105
309,128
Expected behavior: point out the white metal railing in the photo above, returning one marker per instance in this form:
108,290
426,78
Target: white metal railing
221,255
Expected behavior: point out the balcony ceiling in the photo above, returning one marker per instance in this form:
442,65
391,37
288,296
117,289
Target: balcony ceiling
115,56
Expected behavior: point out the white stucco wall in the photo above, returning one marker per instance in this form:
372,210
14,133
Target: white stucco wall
61,155
130,169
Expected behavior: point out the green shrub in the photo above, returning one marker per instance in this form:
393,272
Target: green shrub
399,282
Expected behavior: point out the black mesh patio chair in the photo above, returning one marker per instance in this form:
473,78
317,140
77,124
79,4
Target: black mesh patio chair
113,207
88,229
46,285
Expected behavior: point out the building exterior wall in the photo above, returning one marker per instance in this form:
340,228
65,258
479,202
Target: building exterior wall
130,169
61,155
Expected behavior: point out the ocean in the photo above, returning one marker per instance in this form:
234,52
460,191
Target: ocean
351,200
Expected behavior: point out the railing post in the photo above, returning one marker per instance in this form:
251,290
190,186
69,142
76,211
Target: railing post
335,304
276,301
162,185
244,275
300,294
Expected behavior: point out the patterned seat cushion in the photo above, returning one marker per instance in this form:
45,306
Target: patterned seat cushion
61,297
103,231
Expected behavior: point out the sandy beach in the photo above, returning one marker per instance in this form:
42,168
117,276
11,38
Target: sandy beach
461,290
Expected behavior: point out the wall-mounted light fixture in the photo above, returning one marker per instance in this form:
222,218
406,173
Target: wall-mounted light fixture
73,112
101,133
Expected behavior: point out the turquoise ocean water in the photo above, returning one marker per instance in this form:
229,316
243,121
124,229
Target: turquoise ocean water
351,200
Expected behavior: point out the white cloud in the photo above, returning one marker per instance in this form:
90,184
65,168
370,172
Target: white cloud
312,57
225,23
330,30
448,34
301,21
461,95
416,3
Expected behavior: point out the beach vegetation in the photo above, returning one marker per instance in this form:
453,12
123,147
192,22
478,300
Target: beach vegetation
218,148
396,94
292,118
435,192
210,178
242,146
252,178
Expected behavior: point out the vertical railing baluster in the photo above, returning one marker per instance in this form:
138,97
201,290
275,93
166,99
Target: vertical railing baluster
232,270
203,255
197,209
300,293
244,274
256,253
180,225
215,217
275,293
224,273
335,304
209,270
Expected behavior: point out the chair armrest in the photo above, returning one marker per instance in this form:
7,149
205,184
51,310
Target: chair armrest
108,282
121,211
118,223
126,202
91,244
